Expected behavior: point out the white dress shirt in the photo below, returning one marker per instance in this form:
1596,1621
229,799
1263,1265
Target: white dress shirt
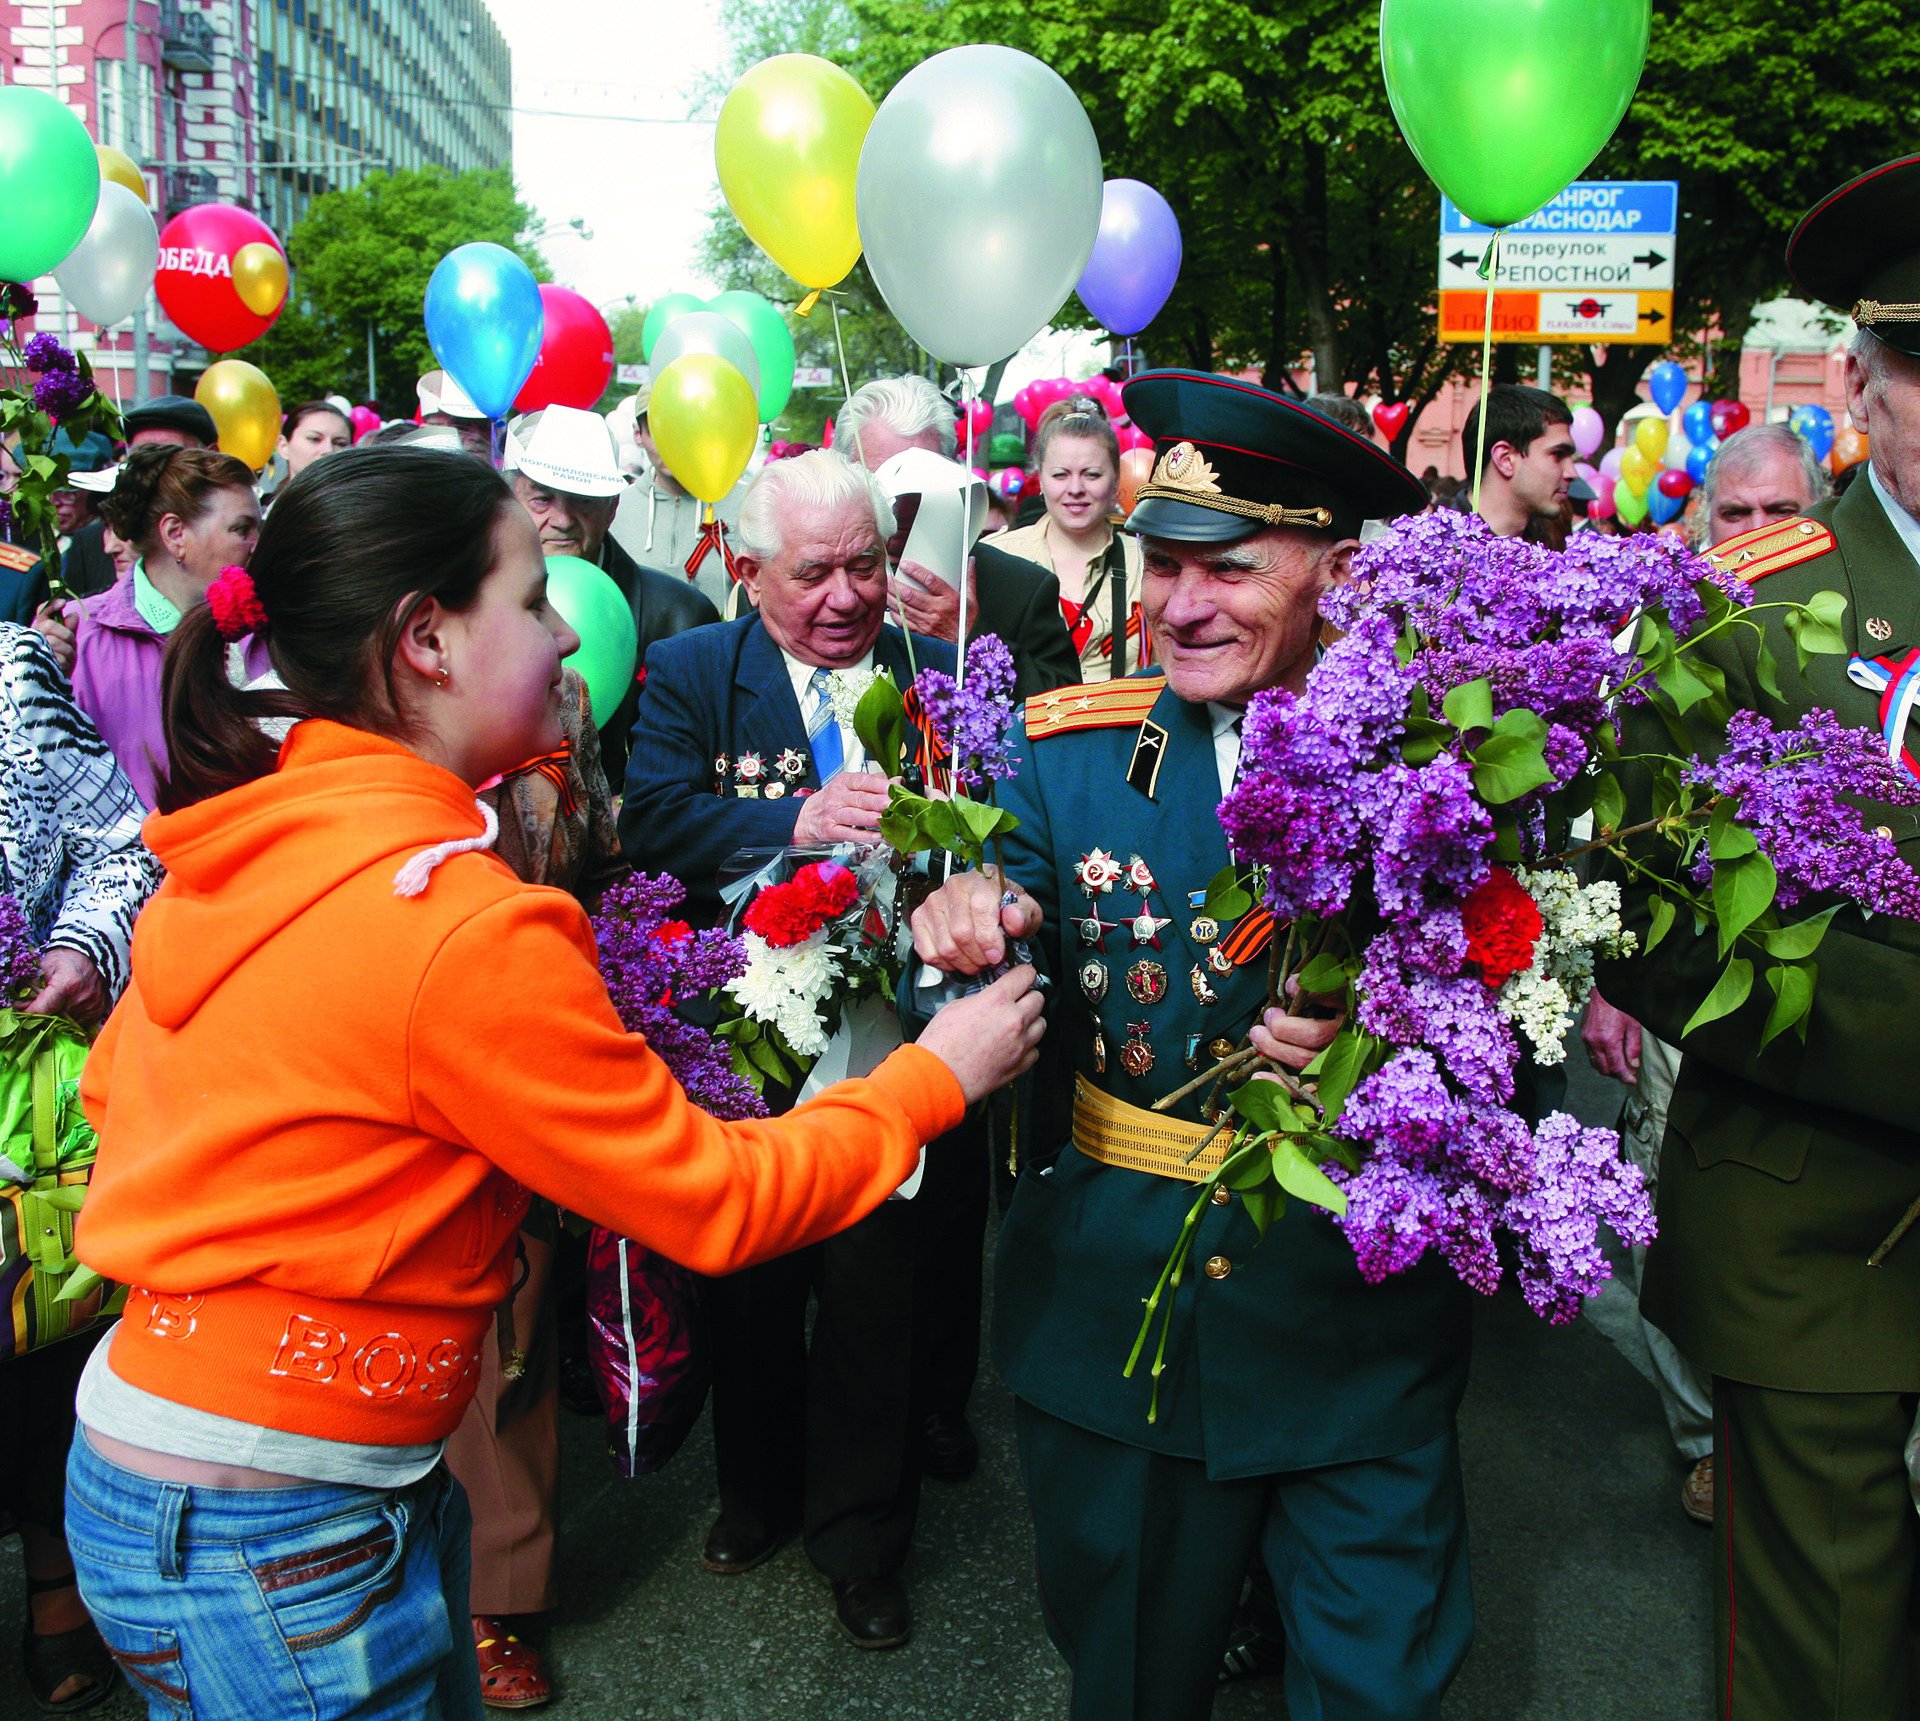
853,755
1226,742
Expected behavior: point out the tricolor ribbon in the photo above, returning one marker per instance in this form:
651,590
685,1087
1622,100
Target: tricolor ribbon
1897,681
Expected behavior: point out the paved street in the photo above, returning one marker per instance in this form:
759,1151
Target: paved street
1591,1588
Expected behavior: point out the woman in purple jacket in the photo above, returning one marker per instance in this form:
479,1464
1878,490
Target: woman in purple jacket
188,512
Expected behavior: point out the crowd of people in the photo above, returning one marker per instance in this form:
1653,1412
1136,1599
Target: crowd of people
305,806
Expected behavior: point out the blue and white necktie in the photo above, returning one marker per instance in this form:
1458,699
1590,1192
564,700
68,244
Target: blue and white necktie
823,733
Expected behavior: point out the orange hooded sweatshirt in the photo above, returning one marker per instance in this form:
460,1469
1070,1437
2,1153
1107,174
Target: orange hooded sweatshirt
321,1106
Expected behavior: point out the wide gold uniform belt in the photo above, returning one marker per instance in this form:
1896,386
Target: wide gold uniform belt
1116,1133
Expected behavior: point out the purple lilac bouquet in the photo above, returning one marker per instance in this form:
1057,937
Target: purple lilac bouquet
651,961
20,976
1408,815
59,393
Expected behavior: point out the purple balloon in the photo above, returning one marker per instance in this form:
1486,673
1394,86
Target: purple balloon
1135,260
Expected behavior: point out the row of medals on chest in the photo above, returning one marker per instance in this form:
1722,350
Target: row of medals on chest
754,779
1099,873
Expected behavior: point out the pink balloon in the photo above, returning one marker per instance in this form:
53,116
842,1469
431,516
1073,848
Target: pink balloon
1610,467
826,435
365,422
980,472
1028,405
1008,482
981,413
1590,473
1602,506
1132,436
1587,431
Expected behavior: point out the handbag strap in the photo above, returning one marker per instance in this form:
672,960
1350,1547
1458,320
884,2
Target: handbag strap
1117,617
46,1140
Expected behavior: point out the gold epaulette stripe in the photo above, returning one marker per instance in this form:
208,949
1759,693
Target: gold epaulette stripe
1101,705
1768,549
17,557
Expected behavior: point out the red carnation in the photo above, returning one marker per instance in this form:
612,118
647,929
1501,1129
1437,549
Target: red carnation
1503,925
793,912
672,932
235,604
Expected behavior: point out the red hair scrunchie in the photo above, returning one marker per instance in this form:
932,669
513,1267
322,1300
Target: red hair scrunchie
235,604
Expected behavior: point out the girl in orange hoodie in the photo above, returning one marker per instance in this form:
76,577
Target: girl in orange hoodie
352,1044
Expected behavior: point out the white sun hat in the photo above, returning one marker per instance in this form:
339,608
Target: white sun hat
563,448
438,392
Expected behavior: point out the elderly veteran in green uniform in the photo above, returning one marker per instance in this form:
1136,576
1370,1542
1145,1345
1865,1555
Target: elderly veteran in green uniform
1783,1171
1304,1415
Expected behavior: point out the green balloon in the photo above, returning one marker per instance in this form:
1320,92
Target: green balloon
1630,505
1505,103
49,182
772,342
660,313
597,610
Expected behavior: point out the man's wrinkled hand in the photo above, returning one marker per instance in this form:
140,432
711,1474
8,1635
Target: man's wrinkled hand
963,927
1293,1042
847,810
929,605
57,624
73,988
1612,1039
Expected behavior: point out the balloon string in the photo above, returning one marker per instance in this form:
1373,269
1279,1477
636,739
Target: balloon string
846,381
1492,268
967,397
499,443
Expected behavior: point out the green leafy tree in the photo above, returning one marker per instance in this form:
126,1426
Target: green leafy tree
361,259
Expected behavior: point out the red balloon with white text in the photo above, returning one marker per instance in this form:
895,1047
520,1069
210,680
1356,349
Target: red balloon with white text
576,354
195,278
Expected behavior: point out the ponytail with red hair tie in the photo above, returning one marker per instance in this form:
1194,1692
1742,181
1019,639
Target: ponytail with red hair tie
235,604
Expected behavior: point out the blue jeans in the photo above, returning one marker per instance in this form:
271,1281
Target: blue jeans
323,1601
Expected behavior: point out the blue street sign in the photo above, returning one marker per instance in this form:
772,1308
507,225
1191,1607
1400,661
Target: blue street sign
1634,207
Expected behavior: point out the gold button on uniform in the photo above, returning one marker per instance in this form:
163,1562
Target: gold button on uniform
1218,1267
1883,831
1222,1195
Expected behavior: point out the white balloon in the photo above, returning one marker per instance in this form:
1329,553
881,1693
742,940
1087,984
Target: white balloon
979,200
108,273
1678,448
707,332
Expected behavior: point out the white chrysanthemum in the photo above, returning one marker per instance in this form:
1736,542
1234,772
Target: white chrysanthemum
784,988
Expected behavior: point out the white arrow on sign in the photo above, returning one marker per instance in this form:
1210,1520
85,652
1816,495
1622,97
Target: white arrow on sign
1564,262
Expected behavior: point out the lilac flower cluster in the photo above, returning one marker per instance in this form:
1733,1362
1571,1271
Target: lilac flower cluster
20,976
1786,785
1444,1174
973,719
649,962
60,388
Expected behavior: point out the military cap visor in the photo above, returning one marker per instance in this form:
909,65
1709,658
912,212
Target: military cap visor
1232,458
1858,250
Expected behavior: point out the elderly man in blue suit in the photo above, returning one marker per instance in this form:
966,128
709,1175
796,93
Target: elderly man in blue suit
1304,1415
744,740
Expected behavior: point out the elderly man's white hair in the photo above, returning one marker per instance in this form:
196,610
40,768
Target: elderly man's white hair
817,479
906,405
1743,451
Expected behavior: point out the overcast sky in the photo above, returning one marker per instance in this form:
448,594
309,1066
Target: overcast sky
640,177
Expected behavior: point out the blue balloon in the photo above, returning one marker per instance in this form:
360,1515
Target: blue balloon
1697,422
1814,423
484,322
1667,383
1699,458
1664,507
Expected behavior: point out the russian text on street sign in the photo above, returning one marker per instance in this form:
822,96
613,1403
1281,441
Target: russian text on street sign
1595,265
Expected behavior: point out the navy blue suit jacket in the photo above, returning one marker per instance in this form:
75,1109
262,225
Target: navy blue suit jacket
714,691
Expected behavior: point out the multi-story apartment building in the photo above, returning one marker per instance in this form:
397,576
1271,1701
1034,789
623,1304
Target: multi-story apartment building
263,103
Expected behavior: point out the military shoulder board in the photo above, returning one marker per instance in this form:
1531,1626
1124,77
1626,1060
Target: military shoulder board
1103,705
1768,549
17,557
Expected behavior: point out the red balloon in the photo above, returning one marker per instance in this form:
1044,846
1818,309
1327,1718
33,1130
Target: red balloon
1676,484
576,354
1027,407
195,277
1729,416
981,412
365,422
1389,420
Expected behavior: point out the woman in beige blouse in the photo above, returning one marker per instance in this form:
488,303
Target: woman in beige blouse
1078,459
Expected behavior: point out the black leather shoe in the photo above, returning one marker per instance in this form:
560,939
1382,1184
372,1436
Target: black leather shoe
731,1549
1254,1651
951,1450
873,1611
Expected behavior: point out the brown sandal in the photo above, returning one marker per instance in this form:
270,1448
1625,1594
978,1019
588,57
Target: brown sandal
511,1676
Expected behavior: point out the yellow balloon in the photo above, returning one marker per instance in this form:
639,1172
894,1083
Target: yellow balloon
705,421
260,277
788,150
245,408
121,170
1650,437
1636,470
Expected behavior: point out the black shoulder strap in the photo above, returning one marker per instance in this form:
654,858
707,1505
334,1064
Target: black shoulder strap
1117,602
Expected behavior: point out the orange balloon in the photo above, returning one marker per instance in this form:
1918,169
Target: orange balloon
1849,448
260,277
1136,467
